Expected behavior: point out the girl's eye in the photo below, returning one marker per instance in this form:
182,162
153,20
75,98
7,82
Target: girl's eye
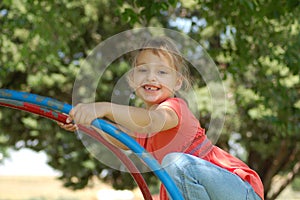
141,69
162,72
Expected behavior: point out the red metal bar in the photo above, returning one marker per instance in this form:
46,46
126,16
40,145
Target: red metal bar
56,116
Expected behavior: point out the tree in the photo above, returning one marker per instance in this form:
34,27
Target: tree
254,43
42,45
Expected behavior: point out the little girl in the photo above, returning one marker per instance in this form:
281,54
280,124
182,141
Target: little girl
167,129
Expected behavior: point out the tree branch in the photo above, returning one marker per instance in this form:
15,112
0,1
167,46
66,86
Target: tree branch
286,181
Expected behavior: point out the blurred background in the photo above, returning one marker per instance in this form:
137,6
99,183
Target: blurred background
255,45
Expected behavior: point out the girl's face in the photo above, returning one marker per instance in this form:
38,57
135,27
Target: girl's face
154,77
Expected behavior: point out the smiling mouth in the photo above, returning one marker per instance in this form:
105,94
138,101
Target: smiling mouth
151,88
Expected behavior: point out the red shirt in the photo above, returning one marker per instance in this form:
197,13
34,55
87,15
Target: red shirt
189,137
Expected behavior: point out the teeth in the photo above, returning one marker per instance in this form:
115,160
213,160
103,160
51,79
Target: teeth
151,88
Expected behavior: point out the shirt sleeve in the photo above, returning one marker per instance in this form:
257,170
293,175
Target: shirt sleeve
176,104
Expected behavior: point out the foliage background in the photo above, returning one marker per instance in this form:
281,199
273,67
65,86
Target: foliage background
255,44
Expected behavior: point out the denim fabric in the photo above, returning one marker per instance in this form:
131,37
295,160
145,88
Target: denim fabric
199,179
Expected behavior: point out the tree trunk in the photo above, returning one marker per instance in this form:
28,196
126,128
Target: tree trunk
285,181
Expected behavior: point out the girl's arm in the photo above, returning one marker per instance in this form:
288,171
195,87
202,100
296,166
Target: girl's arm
137,120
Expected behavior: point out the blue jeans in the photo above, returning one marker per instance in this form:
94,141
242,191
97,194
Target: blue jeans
199,179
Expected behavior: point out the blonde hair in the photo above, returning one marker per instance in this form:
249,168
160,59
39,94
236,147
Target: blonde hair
164,45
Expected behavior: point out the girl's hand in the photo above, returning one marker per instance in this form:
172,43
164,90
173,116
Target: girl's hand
69,126
86,113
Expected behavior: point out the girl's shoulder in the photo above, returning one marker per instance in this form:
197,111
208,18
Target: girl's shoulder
174,100
177,104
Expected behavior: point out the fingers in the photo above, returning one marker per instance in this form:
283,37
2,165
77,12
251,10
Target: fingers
69,120
83,114
71,127
72,113
68,127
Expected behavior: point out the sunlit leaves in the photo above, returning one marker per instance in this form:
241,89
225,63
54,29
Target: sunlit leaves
255,44
42,47
141,12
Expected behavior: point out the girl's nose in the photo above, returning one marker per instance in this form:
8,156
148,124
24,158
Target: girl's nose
151,76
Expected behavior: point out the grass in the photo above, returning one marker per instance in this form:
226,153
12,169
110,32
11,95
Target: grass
46,188
49,188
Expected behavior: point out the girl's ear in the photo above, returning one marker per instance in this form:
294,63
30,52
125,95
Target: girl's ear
130,80
178,84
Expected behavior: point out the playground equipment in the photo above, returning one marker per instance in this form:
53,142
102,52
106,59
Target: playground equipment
58,111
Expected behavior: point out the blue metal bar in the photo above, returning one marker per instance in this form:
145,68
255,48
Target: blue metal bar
106,127
36,99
